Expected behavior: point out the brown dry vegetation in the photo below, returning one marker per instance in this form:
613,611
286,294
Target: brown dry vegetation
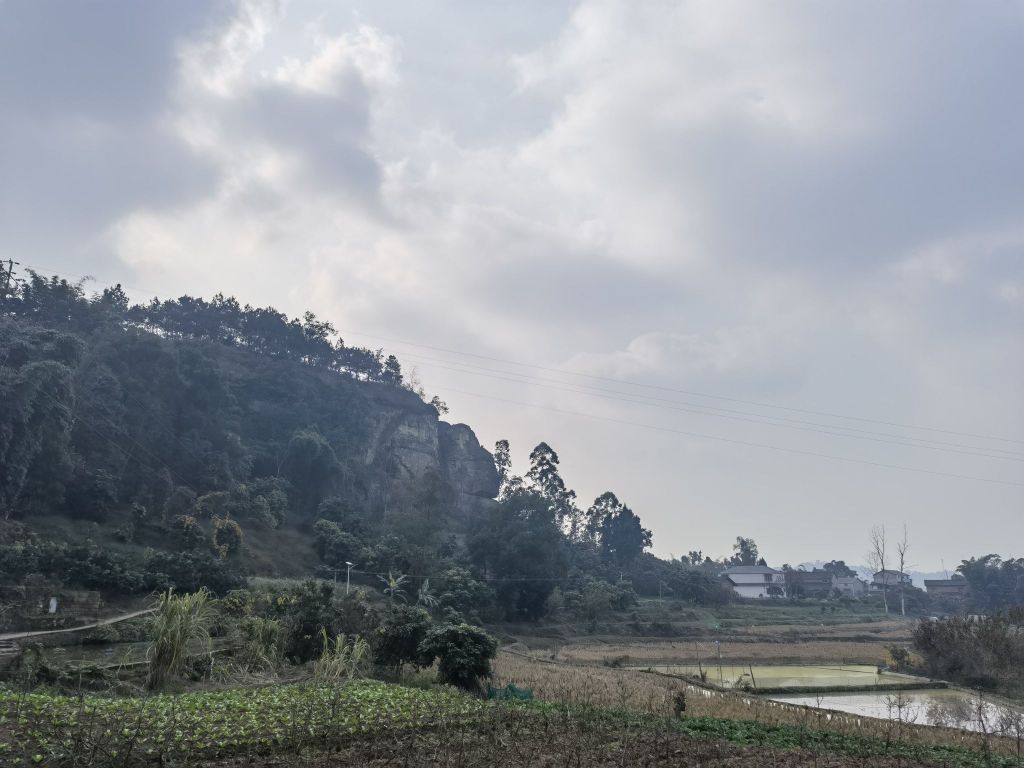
680,652
651,693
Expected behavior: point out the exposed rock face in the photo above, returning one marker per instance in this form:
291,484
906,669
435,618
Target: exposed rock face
468,468
414,444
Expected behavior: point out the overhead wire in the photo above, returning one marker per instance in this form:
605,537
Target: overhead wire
746,443
699,410
693,393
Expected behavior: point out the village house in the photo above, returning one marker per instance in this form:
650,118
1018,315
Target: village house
755,581
816,583
890,579
850,586
950,592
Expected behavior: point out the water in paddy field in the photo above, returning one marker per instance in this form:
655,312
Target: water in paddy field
789,675
949,707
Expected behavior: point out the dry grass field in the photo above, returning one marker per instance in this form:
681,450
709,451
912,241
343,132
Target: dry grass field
640,653
650,693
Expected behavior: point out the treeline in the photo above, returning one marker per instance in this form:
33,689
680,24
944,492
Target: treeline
55,302
535,552
994,583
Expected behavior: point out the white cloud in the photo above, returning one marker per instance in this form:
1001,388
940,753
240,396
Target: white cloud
810,204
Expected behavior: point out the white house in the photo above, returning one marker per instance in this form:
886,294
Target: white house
755,581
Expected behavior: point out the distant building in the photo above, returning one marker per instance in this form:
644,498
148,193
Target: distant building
889,578
850,586
814,583
755,581
952,592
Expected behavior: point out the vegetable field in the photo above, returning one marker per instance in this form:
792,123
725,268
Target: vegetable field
42,729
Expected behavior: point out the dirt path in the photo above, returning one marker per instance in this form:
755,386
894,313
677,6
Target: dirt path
101,623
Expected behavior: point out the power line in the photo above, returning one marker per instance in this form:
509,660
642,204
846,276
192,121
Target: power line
729,414
690,392
746,443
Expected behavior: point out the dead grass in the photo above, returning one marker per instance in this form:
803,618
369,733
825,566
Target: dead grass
638,653
655,694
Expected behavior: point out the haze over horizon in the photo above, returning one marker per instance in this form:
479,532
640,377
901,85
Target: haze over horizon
784,242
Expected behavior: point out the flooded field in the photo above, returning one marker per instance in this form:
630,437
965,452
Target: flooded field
949,707
789,675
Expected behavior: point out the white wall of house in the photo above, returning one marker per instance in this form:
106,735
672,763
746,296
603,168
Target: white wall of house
751,590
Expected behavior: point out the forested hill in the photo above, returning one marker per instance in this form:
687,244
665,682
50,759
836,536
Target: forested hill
192,442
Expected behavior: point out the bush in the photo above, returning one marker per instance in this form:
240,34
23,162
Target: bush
227,537
178,621
188,572
398,638
464,654
308,613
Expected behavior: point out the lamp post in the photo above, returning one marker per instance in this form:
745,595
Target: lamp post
348,576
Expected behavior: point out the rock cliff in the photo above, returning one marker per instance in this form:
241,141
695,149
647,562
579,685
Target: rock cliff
413,443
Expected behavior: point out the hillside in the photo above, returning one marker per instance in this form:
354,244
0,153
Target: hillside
193,443
130,434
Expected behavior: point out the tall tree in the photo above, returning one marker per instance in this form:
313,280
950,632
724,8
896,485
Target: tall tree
744,551
546,480
901,559
623,539
878,558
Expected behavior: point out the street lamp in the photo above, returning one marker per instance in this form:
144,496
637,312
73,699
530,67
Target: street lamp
348,576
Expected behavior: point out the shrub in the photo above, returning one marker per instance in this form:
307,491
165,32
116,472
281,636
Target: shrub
179,620
398,638
262,641
227,537
464,654
308,612
188,572
342,659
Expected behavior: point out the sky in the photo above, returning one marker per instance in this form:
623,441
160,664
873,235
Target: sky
758,268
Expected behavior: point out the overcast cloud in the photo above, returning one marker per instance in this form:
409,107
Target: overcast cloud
818,206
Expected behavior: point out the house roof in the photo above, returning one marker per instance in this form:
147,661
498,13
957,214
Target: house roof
741,569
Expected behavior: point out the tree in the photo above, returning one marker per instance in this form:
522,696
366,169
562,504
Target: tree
901,559
394,586
309,464
619,535
838,568
464,654
335,546
878,558
547,482
392,373
519,543
745,551
308,614
397,639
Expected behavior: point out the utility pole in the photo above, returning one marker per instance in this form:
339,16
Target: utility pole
348,576
6,276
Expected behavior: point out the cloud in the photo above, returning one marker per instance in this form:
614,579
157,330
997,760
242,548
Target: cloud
809,204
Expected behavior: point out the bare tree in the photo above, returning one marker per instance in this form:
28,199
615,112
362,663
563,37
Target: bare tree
901,556
878,559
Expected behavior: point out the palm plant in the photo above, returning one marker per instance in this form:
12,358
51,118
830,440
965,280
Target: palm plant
179,621
394,586
425,597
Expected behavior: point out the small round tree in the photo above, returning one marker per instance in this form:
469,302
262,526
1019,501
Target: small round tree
464,654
